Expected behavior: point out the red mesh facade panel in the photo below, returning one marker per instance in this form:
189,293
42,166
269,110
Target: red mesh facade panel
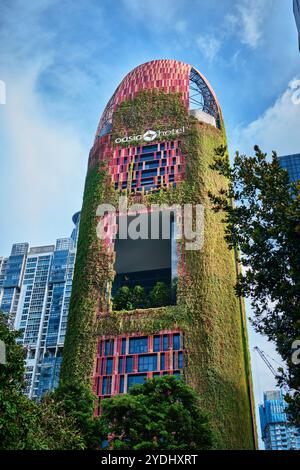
125,360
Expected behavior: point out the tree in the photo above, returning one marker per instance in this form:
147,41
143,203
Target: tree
123,299
160,295
24,424
162,413
265,224
139,297
77,401
53,429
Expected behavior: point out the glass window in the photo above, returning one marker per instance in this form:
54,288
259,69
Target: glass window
156,344
109,347
180,360
121,388
129,364
120,365
176,341
165,342
123,347
147,363
135,379
138,345
162,361
106,386
109,366
149,148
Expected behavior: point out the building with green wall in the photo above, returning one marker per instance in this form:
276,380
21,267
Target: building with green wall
147,306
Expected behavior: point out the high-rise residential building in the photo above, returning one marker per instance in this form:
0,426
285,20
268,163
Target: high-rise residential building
11,275
291,163
35,289
277,433
154,145
296,6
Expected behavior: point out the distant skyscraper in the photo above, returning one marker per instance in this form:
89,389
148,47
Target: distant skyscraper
291,163
277,433
11,275
297,16
35,289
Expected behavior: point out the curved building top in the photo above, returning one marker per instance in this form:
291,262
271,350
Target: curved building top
169,76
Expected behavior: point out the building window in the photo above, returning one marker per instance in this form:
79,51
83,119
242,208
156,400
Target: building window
162,361
123,346
106,386
121,388
180,360
135,379
109,347
129,364
138,345
149,148
156,344
147,363
120,365
109,366
176,341
165,343
177,374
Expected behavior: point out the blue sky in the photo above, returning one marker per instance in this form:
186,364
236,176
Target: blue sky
62,60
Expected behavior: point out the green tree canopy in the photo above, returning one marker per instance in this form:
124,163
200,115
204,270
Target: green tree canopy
265,224
123,299
162,413
24,424
139,297
127,298
77,401
160,295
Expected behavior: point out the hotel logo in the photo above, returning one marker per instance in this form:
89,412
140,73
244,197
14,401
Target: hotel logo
150,136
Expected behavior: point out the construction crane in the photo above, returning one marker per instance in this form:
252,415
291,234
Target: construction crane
266,361
269,365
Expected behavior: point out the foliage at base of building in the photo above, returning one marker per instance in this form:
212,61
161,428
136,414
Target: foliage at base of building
160,414
24,424
216,364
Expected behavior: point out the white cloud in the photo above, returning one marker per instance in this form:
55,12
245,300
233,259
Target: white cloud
48,158
248,20
278,127
43,155
156,13
209,46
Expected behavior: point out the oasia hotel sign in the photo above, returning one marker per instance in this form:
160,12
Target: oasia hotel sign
150,136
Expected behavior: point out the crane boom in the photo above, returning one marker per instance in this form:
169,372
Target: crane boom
266,361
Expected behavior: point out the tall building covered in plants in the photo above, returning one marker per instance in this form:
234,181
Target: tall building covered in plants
147,306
